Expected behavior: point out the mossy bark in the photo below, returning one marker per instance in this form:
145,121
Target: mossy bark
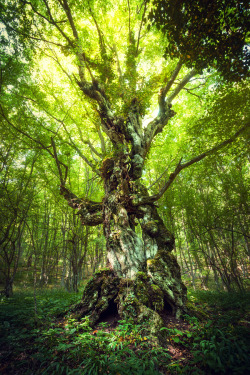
144,299
143,278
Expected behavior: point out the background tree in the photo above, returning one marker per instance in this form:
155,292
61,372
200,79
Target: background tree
17,193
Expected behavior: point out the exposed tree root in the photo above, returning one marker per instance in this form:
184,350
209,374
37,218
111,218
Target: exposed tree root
148,298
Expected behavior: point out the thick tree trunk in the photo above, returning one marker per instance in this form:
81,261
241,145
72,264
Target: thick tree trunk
130,255
143,278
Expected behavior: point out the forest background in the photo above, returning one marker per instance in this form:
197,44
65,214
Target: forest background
50,132
206,208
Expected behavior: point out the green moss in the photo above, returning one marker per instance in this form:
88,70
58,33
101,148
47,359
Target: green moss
155,287
131,306
142,276
194,310
147,293
151,227
165,273
125,284
103,270
150,262
142,294
90,287
102,302
153,324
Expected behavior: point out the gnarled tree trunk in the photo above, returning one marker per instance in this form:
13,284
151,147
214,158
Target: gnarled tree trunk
143,277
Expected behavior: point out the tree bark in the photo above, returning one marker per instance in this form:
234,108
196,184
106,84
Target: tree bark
139,258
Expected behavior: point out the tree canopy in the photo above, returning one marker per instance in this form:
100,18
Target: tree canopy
206,34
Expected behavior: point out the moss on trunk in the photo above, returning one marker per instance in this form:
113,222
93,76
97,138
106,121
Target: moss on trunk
147,297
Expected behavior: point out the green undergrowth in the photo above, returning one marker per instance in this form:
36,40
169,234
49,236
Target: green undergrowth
40,341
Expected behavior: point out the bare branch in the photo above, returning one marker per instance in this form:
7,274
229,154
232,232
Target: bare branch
216,148
168,86
181,85
76,148
165,112
60,65
139,34
209,228
170,181
89,211
100,33
139,8
79,53
59,163
33,37
42,146
56,25
66,7
97,126
190,90
72,143
51,21
93,149
192,93
90,164
103,147
118,64
129,20
159,178
156,126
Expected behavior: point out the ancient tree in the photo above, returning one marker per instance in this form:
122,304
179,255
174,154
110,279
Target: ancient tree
112,56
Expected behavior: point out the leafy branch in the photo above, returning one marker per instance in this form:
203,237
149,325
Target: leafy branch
180,167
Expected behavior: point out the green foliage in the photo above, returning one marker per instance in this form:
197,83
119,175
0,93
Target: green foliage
72,346
224,103
230,307
47,345
206,33
222,345
218,349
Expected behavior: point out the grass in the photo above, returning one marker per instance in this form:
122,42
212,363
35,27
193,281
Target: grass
41,343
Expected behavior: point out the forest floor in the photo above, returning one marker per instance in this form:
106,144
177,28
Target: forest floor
35,340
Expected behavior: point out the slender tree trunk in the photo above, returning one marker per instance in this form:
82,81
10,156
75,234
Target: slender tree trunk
189,255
